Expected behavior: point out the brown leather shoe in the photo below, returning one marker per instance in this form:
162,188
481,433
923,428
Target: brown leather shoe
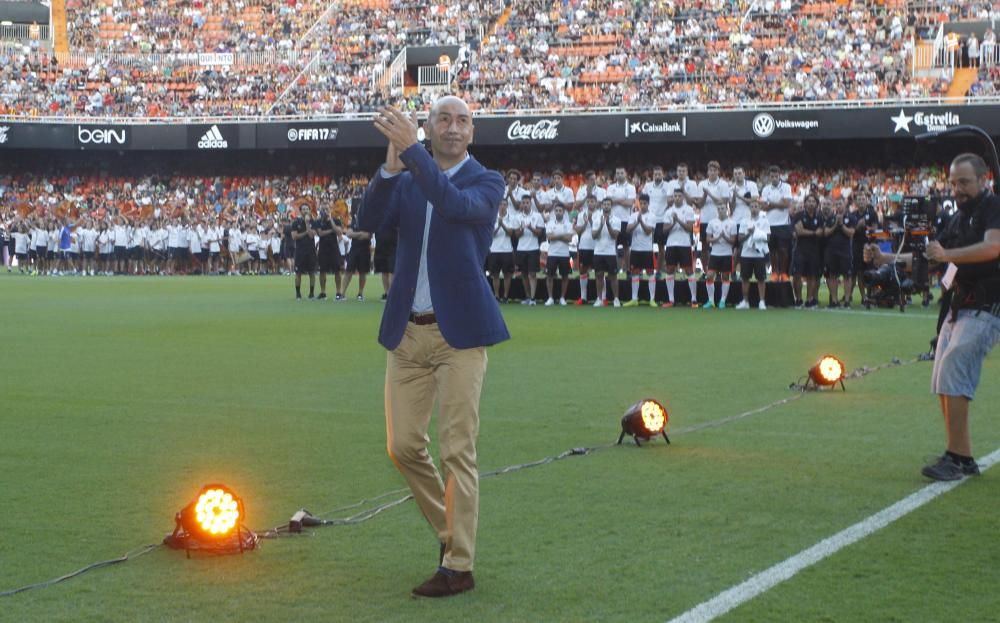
446,584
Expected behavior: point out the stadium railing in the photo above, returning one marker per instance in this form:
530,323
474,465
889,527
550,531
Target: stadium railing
24,32
521,112
206,59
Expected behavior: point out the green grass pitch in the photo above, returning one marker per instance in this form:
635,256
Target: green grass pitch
121,397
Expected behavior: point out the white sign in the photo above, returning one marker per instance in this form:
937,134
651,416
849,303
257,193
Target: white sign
213,139
311,134
100,136
3,134
649,127
929,121
216,58
542,130
764,124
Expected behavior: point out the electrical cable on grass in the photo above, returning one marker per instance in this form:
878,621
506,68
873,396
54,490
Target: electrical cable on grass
365,515
145,549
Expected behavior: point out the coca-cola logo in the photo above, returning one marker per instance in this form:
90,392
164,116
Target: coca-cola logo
541,130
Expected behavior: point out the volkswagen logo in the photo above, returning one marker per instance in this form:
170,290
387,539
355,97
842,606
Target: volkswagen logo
763,125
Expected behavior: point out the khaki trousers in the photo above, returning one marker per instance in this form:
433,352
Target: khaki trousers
421,370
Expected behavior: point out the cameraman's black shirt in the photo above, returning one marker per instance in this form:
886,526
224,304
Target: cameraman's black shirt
968,226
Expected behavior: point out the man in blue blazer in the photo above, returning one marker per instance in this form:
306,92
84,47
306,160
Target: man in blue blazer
439,318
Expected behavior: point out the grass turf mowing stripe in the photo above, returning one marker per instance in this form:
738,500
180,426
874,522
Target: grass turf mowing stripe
769,578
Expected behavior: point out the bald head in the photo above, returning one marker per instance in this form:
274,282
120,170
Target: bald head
451,103
449,128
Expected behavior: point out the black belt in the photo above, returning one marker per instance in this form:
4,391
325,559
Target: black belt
422,319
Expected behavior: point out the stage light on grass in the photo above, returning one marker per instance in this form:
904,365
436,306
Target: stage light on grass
827,372
217,511
212,521
645,420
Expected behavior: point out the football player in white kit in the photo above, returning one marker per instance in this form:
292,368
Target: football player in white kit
622,195
640,228
678,221
715,194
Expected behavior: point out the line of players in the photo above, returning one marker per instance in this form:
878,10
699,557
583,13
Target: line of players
651,233
204,245
122,245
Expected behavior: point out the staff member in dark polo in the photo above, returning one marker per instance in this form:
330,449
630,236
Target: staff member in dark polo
838,229
439,318
970,247
328,256
808,261
304,236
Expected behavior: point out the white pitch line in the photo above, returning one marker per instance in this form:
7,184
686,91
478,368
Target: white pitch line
769,578
865,312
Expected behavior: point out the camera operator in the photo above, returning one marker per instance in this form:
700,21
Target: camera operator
971,246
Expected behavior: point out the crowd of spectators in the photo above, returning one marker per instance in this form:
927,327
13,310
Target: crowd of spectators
534,54
156,26
38,85
611,53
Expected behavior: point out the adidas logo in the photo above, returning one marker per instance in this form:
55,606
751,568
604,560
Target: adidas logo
213,139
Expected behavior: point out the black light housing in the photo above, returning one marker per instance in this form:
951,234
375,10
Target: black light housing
645,420
212,521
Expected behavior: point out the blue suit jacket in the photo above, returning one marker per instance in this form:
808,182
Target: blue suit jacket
464,213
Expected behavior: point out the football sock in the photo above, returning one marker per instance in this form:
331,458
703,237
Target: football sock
635,287
725,291
960,459
583,287
670,288
710,287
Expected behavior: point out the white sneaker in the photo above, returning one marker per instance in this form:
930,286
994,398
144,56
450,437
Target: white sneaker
598,303
743,305
531,302
618,303
562,302
549,302
761,305
524,301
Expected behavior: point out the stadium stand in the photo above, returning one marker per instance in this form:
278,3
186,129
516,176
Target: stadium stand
148,59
